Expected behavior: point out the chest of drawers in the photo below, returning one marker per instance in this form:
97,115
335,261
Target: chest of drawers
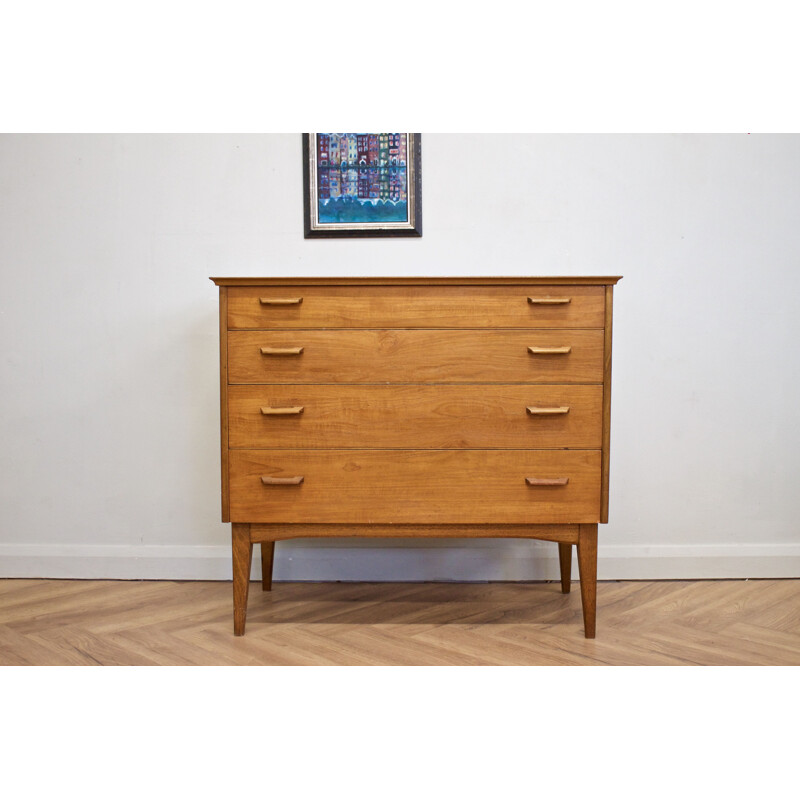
452,407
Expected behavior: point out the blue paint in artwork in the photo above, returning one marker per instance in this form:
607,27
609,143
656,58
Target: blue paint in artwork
352,210
362,178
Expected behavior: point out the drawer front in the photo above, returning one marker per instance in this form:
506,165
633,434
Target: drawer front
415,486
410,356
415,416
416,307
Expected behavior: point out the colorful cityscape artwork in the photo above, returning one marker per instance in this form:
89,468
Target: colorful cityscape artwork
362,177
362,184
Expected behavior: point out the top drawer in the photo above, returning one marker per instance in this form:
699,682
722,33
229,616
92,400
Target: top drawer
270,307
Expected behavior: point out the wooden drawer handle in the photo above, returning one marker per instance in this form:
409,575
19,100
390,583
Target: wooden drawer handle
547,481
549,301
269,481
279,301
269,411
281,351
549,351
538,411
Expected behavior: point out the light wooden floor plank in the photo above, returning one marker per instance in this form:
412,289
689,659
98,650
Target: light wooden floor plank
140,623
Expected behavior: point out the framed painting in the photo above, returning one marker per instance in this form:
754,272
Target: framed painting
362,184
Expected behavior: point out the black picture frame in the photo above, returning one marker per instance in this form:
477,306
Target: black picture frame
360,209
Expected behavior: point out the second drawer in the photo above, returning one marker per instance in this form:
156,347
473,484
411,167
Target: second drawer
416,356
418,416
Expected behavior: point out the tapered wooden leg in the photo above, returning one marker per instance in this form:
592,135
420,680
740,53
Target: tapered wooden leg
242,559
587,566
565,559
267,553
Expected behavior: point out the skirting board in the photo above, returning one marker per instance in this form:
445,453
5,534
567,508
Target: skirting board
390,560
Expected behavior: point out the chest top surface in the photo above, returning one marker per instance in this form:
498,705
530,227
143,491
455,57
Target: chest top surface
420,281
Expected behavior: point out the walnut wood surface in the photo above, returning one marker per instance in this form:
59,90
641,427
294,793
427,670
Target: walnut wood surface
223,399
417,307
267,558
271,532
587,566
416,356
415,486
565,565
488,281
416,416
242,558
272,300
268,480
604,478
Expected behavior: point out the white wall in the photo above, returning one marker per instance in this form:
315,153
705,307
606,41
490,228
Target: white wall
108,375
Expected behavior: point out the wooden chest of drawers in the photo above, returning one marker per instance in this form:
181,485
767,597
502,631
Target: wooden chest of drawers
415,407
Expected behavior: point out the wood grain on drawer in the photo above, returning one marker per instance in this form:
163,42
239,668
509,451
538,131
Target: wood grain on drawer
416,307
410,356
415,416
415,486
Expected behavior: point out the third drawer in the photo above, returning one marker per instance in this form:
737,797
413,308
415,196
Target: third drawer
418,416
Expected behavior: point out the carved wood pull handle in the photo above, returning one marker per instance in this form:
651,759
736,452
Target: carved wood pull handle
269,481
549,351
543,412
281,351
278,301
547,481
269,411
549,301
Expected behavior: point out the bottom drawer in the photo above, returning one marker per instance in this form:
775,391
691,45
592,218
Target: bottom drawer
415,486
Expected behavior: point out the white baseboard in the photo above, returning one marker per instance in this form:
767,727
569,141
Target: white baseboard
392,560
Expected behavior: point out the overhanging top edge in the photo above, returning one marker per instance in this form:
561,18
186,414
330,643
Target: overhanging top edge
588,280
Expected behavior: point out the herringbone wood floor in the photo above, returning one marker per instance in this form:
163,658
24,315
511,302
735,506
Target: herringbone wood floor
73,622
